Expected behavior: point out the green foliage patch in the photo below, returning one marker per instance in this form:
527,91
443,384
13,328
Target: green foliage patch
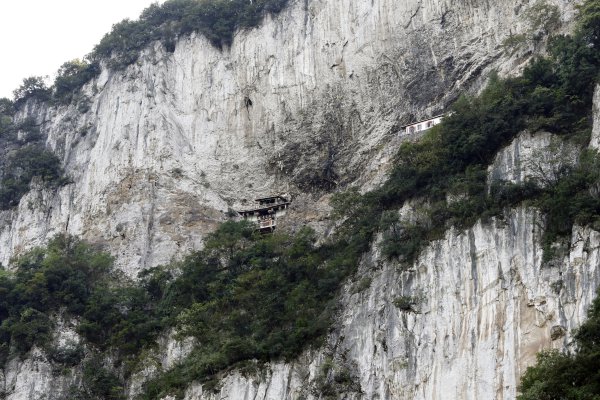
23,157
71,279
215,19
445,172
244,297
71,77
22,166
62,276
33,87
249,297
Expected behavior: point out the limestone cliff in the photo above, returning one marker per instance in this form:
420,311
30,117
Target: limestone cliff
310,101
485,307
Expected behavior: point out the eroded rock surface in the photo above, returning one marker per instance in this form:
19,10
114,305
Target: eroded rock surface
311,100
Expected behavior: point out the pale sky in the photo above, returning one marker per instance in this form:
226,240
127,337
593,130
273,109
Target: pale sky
37,36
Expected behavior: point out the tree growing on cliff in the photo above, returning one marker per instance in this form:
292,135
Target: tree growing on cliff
32,87
21,167
72,75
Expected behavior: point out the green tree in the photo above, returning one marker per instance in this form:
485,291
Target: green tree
21,167
32,88
71,76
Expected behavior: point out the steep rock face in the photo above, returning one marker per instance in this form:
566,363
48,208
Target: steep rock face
538,157
35,376
595,140
483,306
311,99
477,306
168,146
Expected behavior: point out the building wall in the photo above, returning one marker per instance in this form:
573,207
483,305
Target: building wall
423,125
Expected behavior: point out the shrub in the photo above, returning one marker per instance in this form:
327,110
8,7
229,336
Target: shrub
71,76
7,110
100,382
31,327
406,303
21,167
68,355
32,88
217,20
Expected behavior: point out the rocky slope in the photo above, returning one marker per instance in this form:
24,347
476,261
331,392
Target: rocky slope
313,100
482,305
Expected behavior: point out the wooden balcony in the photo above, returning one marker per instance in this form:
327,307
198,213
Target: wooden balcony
267,224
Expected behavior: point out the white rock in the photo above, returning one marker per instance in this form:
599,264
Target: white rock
171,143
168,145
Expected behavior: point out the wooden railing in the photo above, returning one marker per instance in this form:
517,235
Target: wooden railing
266,223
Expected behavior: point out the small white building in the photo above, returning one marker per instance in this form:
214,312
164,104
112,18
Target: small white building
423,125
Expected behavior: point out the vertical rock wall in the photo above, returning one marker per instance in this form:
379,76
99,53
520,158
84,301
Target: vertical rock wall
310,100
167,146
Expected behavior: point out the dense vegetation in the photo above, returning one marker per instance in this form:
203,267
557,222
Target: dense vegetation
215,19
70,279
23,157
21,167
7,112
248,297
62,276
446,171
32,88
244,297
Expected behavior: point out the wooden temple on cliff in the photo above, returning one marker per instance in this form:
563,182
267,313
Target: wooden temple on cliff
266,211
